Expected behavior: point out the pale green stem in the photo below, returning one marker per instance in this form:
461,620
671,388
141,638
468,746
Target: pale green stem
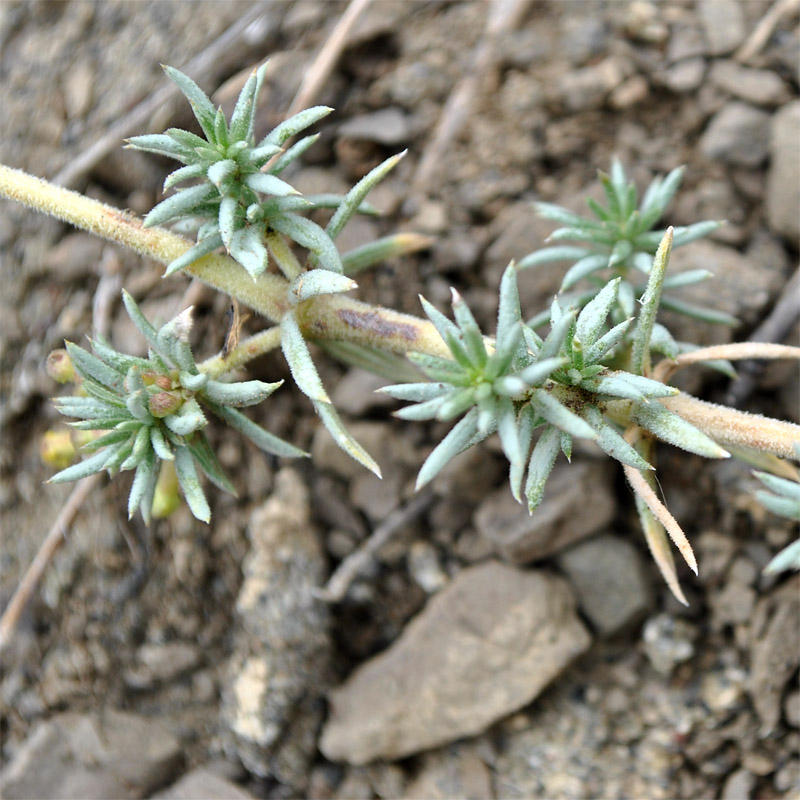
245,351
325,317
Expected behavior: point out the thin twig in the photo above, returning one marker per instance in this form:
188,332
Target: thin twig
321,67
138,115
763,30
773,329
361,558
57,534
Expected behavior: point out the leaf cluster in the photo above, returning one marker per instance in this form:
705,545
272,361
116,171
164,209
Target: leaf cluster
621,241
152,410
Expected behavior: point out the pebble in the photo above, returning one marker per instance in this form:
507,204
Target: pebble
760,87
203,782
737,134
783,177
738,785
483,647
685,76
390,126
455,772
424,567
610,582
160,663
668,641
578,501
356,393
723,24
92,756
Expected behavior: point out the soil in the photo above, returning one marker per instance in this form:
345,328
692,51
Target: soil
144,620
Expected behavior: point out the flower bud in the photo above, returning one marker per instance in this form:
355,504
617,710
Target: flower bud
59,366
162,404
166,498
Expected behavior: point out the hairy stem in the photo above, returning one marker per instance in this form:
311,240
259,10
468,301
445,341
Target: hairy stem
324,317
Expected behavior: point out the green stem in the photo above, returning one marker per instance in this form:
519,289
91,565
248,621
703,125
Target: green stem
325,317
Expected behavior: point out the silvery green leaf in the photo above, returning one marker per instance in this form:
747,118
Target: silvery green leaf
781,486
564,216
585,266
555,339
205,457
202,107
508,430
566,445
83,407
509,319
532,339
118,361
449,332
141,446
454,443
642,261
781,506
540,466
687,278
524,435
188,419
669,427
617,383
538,372
247,249
662,342
230,219
311,236
294,152
658,195
162,144
581,235
611,442
82,469
559,415
191,141
510,386
592,318
190,484
598,210
111,438
115,455
356,195
138,407
298,357
181,204
427,409
262,439
416,392
487,415
607,342
343,437
269,184
788,558
89,366
221,131
456,403
470,332
160,445
202,248
273,206
241,394
440,369
549,254
690,233
243,117
143,485
360,258
221,171
259,156
194,382
139,320
621,250
319,281
99,423
698,312
330,200
295,124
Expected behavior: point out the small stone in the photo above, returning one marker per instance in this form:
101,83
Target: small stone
722,690
630,92
723,23
451,773
587,88
759,763
609,579
92,756
787,778
160,663
78,89
791,708
668,641
389,126
424,567
686,75
738,785
761,87
483,647
578,501
356,393
737,134
733,605
202,782
783,178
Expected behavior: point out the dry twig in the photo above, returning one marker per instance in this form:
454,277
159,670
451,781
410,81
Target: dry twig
763,30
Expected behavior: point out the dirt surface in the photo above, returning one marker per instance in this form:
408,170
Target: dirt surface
664,701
